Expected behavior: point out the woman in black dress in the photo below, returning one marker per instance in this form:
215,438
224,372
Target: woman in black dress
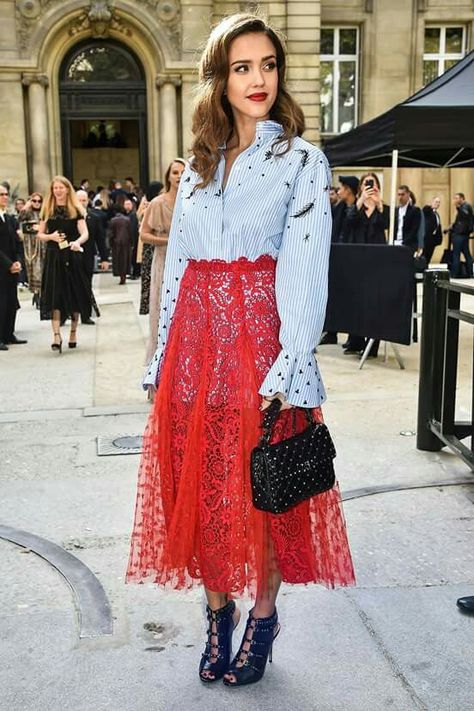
65,290
367,223
147,250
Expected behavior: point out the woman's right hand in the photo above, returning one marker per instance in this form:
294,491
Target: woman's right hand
367,194
56,236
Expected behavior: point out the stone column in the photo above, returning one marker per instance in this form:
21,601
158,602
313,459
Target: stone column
303,21
187,109
169,122
39,134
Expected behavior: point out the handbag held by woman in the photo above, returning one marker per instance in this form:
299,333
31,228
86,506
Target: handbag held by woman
288,472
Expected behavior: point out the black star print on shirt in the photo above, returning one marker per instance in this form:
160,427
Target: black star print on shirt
304,156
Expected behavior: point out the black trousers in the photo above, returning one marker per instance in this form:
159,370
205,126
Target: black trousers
8,309
428,249
461,246
89,259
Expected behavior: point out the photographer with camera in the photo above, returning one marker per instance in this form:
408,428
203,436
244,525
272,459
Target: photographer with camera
34,248
366,222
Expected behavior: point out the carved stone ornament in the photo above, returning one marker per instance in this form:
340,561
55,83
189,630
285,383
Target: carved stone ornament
29,8
99,17
27,13
163,79
30,78
168,12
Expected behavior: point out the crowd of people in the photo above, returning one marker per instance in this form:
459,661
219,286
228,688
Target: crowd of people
130,226
361,217
49,244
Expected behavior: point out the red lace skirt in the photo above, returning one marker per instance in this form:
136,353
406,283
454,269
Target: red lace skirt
194,521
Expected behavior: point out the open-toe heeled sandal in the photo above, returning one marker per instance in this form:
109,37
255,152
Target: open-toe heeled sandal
216,656
248,665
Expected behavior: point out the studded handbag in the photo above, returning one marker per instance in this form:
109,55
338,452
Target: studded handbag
286,473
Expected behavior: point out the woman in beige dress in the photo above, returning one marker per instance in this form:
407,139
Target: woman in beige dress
154,230
29,219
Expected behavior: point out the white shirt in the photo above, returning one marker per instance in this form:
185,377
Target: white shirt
276,205
402,211
2,214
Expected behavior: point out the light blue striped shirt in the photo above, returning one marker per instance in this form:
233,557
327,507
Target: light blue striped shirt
276,205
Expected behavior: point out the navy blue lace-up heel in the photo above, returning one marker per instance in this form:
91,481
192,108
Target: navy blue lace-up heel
216,657
248,666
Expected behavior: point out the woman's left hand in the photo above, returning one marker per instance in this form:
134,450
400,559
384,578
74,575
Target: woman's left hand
75,246
266,401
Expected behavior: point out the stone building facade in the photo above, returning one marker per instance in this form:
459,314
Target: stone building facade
104,88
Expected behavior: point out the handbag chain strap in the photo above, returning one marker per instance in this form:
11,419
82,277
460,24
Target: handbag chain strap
271,415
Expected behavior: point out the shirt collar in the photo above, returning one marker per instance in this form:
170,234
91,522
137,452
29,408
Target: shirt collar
263,131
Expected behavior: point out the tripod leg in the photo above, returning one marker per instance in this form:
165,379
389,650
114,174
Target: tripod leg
366,352
397,355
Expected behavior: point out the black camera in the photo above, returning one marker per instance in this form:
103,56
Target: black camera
27,225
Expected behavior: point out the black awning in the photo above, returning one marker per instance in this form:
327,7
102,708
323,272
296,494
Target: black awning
432,128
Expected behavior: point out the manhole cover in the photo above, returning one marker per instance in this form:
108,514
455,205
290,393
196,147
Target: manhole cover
128,442
119,444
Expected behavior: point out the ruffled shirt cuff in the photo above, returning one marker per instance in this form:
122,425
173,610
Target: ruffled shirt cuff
153,370
297,377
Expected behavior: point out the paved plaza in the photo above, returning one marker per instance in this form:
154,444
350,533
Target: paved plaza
396,641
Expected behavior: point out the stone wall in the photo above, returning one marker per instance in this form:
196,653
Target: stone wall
168,35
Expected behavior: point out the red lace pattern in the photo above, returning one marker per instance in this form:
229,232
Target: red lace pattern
194,521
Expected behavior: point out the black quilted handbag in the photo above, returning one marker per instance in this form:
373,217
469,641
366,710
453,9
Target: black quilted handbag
288,472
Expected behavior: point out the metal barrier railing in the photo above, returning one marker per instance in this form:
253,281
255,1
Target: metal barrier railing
437,427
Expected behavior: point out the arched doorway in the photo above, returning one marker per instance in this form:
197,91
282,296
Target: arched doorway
103,114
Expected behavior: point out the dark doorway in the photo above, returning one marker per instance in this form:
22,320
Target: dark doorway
103,114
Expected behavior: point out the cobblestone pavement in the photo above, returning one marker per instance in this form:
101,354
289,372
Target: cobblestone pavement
396,641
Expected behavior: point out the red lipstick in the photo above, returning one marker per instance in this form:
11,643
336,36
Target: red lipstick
258,97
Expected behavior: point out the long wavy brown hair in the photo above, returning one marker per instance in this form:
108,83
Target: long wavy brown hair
73,206
213,120
168,172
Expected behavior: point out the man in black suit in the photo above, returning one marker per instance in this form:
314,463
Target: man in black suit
342,232
433,231
460,230
96,229
407,220
10,267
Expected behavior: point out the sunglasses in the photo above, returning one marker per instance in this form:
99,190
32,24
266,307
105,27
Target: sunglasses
37,201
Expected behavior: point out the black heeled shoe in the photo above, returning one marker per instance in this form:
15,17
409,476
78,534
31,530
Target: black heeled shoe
72,344
57,346
216,657
248,665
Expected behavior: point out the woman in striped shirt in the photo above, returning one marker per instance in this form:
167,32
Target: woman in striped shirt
242,308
